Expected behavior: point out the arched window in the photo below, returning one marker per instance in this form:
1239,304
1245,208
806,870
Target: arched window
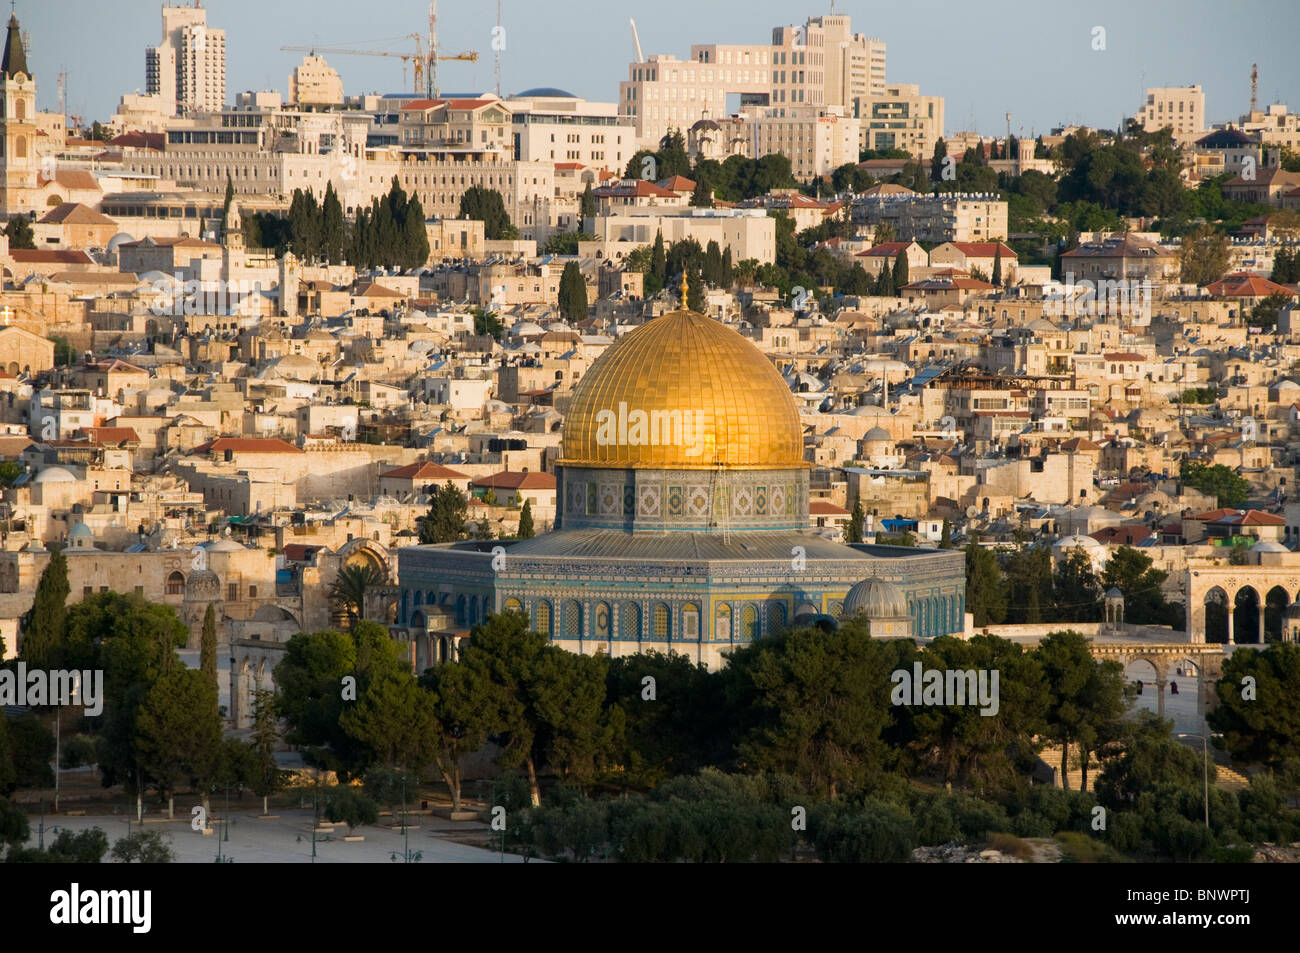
544,618
629,621
690,621
175,584
722,623
749,623
572,620
602,620
775,616
512,605
662,624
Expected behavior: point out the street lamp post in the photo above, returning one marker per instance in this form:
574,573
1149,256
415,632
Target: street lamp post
1205,757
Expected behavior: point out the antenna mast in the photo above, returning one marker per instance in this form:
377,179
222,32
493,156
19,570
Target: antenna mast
496,50
1254,84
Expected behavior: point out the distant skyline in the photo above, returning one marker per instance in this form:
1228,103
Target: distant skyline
1029,59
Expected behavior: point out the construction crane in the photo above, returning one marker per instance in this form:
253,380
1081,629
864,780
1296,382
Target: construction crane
418,58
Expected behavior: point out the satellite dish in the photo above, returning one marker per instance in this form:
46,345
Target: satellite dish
972,511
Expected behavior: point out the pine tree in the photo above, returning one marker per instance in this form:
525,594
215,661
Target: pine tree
445,521
857,519
526,521
702,197
208,645
20,234
45,625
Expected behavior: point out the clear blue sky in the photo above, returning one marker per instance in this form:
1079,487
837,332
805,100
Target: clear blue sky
1033,59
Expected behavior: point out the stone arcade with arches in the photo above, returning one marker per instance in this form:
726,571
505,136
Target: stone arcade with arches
1245,604
682,520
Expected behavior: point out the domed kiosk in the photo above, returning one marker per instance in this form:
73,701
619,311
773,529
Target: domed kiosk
682,517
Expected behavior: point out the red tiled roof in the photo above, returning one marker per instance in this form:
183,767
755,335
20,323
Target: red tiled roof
50,256
1246,285
425,104
247,445
1124,356
300,552
74,213
140,140
427,470
983,249
677,183
516,480
636,189
376,290
111,435
884,249
825,508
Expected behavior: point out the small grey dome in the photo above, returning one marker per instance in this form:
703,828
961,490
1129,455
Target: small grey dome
1114,593
1269,546
202,584
81,531
877,435
876,599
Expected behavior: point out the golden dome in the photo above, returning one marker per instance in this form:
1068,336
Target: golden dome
683,392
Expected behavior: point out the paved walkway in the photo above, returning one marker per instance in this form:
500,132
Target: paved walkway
288,840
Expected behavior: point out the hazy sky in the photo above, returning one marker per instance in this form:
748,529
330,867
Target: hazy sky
1033,59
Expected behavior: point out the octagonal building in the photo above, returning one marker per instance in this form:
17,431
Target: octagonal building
682,519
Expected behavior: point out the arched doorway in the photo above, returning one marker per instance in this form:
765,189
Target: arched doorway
1245,617
1216,616
1275,602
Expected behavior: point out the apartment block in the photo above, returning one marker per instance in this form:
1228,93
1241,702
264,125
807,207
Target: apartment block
187,70
945,217
555,126
315,82
817,139
821,63
1180,107
901,118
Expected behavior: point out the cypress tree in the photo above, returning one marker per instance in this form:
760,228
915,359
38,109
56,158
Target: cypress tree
857,519
588,208
225,209
658,263
713,264
415,237
332,226
997,265
526,521
208,645
728,269
45,625
573,293
899,276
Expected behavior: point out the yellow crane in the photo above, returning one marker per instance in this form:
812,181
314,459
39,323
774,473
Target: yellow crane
419,58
